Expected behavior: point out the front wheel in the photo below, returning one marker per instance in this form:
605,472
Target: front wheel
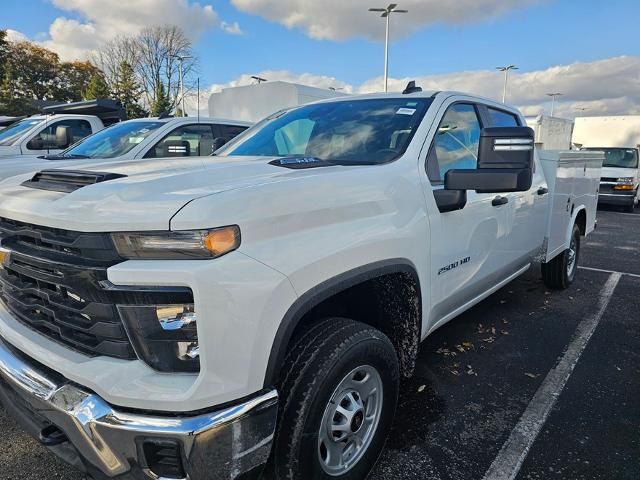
560,272
338,398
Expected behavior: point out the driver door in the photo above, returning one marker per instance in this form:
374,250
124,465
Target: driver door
465,244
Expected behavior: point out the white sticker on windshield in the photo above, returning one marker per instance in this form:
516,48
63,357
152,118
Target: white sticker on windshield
406,111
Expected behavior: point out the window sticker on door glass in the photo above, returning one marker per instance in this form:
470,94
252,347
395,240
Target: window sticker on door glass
406,111
136,140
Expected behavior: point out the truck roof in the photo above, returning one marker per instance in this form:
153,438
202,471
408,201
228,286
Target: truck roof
179,120
423,94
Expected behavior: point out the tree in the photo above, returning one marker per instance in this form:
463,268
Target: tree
35,71
154,56
4,52
97,88
127,89
74,79
161,103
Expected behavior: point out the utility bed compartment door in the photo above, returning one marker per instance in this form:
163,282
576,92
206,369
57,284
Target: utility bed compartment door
573,178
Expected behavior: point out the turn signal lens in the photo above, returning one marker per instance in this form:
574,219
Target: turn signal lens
623,187
222,240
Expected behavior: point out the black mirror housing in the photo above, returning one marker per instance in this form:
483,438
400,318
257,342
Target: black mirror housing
505,163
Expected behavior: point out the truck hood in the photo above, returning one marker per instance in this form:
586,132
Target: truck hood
618,172
146,198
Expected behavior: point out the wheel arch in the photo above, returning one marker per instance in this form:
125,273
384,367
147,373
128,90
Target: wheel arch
331,288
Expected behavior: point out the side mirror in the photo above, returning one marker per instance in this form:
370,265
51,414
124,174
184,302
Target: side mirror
36,143
505,163
63,136
218,142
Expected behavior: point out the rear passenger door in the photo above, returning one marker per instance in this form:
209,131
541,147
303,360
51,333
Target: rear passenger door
466,245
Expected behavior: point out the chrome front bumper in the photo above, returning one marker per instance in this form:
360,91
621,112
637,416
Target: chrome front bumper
230,443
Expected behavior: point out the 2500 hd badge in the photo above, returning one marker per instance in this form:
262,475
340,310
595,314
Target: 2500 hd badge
453,265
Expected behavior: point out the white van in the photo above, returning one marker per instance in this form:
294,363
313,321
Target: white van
619,137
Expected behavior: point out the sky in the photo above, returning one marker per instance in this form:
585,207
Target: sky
588,50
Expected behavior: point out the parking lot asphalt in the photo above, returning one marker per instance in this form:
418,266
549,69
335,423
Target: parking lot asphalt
529,384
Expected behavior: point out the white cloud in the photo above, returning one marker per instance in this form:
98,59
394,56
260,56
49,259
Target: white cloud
232,28
15,36
341,19
103,20
610,86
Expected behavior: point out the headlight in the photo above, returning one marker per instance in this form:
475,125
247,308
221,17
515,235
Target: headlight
626,180
189,244
164,336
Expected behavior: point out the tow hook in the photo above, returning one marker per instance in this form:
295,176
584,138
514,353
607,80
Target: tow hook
52,435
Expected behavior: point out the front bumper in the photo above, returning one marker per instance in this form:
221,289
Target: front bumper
619,199
233,442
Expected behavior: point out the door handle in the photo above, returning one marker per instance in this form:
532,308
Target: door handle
543,191
499,200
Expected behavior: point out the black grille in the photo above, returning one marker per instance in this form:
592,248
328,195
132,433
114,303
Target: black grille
54,282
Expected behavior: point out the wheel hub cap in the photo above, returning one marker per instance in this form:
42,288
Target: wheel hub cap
350,420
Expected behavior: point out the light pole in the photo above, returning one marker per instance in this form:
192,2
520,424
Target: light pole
553,99
181,59
506,69
258,79
386,14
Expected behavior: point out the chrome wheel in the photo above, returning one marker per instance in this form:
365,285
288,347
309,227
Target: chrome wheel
571,256
350,420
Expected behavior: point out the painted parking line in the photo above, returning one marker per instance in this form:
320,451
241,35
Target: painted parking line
609,271
514,451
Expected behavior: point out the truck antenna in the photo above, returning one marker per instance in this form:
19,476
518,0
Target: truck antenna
198,100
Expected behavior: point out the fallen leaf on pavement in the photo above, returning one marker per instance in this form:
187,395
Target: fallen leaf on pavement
532,375
421,388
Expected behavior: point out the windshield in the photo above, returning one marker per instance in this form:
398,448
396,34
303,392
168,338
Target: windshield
14,131
345,132
114,141
619,157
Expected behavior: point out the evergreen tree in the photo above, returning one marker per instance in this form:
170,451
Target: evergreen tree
127,89
162,102
97,88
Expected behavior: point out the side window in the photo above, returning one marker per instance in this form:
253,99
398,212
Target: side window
185,141
500,118
228,132
51,138
293,138
456,142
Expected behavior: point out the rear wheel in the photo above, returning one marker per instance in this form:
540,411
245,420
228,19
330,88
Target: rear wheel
560,272
338,397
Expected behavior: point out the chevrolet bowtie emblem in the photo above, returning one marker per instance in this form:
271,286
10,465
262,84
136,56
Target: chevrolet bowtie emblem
5,254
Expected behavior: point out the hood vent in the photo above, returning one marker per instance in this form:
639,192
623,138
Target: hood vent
68,181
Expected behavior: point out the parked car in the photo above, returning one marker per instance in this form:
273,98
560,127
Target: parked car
195,319
58,127
618,136
134,139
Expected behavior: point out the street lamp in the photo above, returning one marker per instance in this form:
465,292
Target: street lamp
182,58
258,79
553,99
386,14
506,69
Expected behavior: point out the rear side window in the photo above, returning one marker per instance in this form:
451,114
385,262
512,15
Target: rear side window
185,141
500,118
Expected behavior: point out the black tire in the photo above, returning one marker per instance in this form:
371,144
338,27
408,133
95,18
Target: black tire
313,369
560,272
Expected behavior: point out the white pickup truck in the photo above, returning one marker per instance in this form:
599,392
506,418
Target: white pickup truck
58,127
200,319
134,139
